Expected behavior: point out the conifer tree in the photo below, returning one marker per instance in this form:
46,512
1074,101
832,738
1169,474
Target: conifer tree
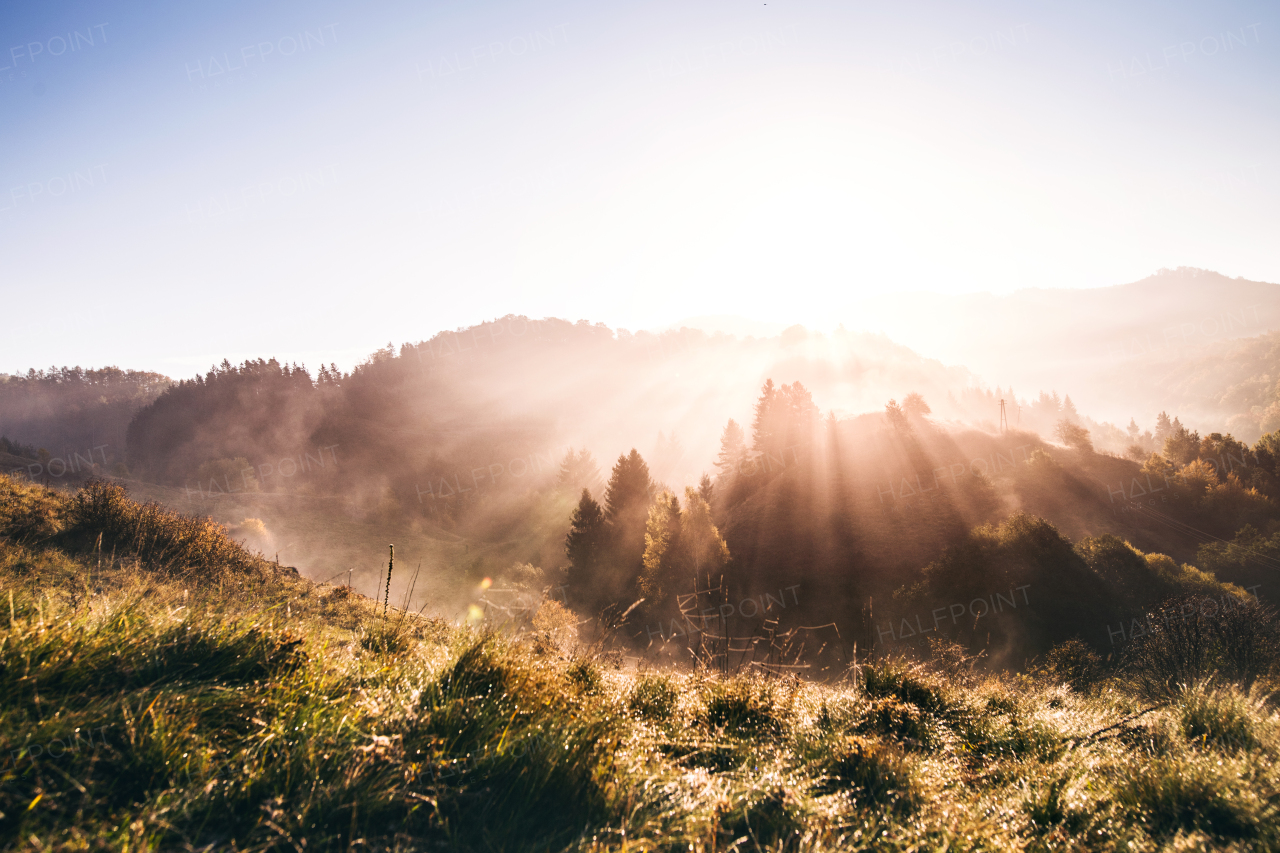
705,488
682,549
626,509
663,553
1181,447
764,424
578,470
706,551
733,452
627,493
1069,410
584,546
801,415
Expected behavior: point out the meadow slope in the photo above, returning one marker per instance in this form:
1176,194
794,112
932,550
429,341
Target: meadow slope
164,689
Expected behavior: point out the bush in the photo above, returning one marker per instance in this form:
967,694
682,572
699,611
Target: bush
30,514
1073,663
1122,567
162,538
1195,637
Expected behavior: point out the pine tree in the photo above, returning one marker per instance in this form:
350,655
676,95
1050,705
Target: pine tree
801,415
579,471
1163,428
626,509
764,423
784,418
1181,447
663,553
629,488
706,552
733,452
1069,410
585,546
705,489
682,549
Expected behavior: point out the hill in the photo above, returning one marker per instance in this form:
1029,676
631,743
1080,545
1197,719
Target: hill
165,689
1115,349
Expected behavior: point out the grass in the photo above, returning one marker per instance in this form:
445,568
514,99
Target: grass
162,702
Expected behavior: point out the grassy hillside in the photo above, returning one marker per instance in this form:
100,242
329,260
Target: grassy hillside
163,689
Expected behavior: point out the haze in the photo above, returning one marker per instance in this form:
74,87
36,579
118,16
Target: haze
311,181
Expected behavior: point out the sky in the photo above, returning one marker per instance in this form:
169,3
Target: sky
184,183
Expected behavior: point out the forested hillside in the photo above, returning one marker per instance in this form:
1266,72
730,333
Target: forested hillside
71,410
652,482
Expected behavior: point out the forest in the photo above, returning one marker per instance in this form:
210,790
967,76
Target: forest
861,596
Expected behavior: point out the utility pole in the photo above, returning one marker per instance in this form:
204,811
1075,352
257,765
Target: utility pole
1004,418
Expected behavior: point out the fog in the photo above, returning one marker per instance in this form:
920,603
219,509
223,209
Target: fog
659,309
469,451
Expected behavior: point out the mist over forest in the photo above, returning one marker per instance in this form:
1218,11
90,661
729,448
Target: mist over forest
838,482
539,426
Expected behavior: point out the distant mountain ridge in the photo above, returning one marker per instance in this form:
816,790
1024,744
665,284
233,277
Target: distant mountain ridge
1113,349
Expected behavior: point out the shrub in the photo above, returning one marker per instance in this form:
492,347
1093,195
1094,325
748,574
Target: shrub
554,626
164,539
1196,637
1073,663
1122,567
29,513
952,660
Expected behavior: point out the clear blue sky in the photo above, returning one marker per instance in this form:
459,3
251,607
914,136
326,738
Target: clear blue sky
183,182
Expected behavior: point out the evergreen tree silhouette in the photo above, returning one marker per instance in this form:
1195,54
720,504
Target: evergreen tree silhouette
584,546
